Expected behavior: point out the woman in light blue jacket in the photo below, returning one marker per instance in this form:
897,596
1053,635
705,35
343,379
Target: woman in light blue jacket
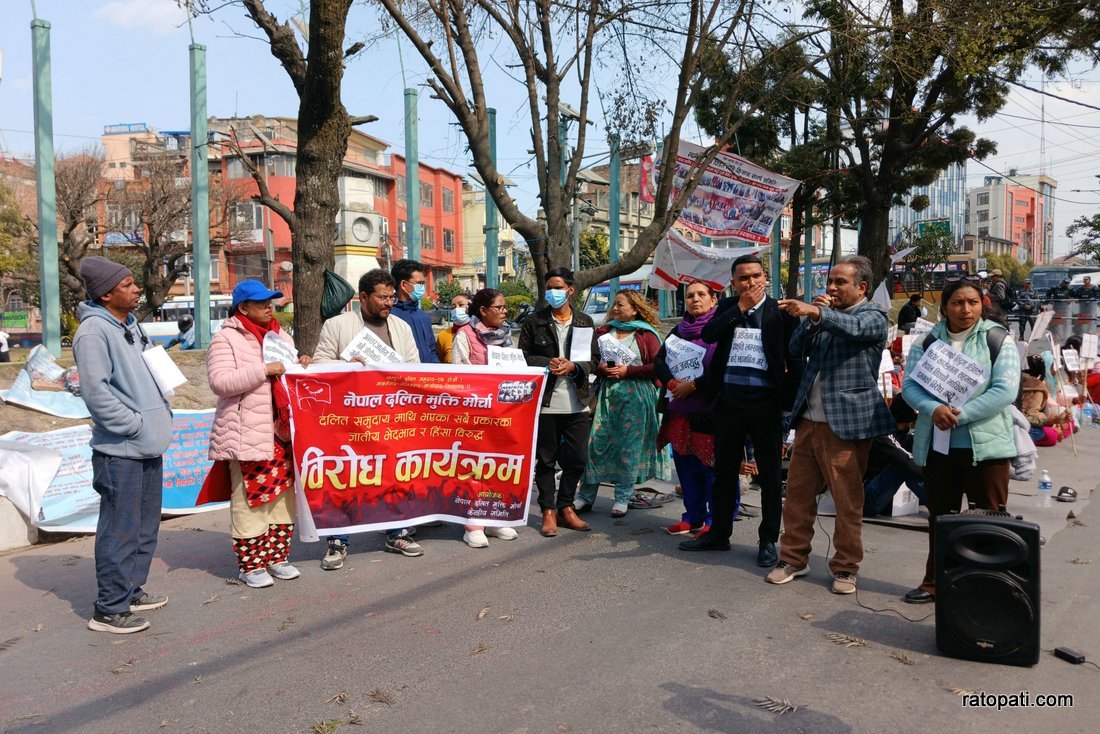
981,442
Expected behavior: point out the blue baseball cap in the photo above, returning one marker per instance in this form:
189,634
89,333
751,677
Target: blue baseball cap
252,290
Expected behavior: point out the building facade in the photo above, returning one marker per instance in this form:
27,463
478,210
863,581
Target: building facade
513,258
371,229
1015,208
946,202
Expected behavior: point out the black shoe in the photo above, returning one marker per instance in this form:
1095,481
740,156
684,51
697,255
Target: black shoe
767,557
705,542
919,596
147,602
123,623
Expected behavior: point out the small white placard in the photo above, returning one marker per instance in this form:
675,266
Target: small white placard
941,440
580,348
612,350
164,371
1072,361
277,350
370,349
948,374
907,342
1088,346
887,363
922,326
506,357
684,359
747,350
1042,321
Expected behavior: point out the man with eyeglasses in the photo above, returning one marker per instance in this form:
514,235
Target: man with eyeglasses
375,312
131,430
411,284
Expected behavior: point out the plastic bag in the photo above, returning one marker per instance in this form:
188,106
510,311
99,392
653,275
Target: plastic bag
336,295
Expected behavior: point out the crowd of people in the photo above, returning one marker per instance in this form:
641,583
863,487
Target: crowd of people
720,395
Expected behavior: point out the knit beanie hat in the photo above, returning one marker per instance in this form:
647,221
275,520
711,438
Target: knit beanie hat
100,276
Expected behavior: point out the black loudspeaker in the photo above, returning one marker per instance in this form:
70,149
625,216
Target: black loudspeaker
987,587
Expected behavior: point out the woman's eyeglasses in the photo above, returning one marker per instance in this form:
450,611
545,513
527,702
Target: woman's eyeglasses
502,307
965,278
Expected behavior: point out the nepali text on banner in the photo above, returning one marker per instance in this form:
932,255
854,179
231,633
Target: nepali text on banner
389,446
734,198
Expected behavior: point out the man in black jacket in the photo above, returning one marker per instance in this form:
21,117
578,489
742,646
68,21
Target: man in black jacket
751,380
547,339
909,313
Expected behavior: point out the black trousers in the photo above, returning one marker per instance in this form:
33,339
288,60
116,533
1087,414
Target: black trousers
562,440
763,423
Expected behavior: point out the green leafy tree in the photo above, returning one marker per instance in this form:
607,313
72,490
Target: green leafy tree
929,250
516,288
18,263
594,250
1014,271
448,289
1086,234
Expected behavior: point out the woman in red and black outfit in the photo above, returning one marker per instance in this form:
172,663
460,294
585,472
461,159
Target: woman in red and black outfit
250,439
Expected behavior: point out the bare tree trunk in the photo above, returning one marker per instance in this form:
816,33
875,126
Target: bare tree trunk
874,232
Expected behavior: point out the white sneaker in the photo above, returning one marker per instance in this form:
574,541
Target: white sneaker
258,579
476,539
502,533
581,505
283,571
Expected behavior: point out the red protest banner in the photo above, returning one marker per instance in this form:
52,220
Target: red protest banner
388,446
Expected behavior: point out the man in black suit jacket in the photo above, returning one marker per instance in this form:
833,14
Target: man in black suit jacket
751,380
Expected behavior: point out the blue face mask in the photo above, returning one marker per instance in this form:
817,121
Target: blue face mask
556,297
459,316
418,291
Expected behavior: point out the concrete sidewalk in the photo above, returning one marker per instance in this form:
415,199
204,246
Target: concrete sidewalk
609,631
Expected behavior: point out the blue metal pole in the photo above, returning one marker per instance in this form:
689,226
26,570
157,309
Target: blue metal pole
492,218
808,259
200,196
774,265
49,289
614,235
412,176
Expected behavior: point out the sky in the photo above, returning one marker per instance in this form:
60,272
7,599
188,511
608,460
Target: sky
125,61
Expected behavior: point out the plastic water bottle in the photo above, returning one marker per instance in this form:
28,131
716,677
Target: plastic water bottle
1088,416
1046,489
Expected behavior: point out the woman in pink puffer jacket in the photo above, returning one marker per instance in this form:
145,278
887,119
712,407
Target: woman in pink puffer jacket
250,439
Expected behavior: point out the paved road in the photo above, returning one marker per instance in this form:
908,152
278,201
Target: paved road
609,631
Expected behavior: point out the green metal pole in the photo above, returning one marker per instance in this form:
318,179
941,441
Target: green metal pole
614,236
774,265
200,197
492,226
49,290
412,175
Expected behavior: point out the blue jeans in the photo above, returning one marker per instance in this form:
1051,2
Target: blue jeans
390,535
697,483
129,519
879,491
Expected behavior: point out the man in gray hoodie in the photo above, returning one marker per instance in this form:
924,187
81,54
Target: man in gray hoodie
131,429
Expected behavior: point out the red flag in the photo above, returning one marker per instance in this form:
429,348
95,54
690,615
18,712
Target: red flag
645,180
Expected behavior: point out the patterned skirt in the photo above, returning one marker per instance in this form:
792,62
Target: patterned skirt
266,480
676,430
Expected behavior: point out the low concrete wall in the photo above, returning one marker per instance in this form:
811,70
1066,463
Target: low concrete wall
15,531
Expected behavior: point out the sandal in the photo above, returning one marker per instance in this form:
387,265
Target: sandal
648,499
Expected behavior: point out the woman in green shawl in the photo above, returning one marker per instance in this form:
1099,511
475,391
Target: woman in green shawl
622,446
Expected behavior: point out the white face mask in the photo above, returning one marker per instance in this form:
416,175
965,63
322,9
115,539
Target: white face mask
459,316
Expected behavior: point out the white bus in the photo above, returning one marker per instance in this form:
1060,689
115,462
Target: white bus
162,325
